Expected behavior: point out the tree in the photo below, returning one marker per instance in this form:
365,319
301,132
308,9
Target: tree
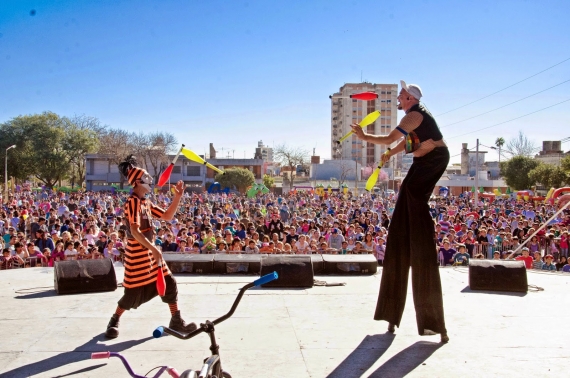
268,181
565,164
40,151
500,142
344,169
81,138
290,157
160,144
521,146
116,144
238,178
550,176
516,172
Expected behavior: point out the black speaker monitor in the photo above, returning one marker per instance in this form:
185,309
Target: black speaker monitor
497,275
293,270
84,276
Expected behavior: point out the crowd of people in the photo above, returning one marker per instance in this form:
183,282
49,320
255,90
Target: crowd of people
40,228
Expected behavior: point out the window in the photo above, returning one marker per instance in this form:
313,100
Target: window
177,169
193,170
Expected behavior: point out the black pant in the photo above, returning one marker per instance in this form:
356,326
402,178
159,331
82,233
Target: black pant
135,297
411,243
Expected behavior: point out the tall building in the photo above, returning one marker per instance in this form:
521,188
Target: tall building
263,152
345,111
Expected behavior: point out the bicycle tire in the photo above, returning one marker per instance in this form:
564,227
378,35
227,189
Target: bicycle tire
225,374
189,374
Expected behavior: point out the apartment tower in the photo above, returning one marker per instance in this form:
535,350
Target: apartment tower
345,111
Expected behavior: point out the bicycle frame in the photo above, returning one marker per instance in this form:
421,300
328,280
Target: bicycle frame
213,364
170,370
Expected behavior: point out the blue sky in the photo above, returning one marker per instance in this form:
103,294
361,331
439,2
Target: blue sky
235,72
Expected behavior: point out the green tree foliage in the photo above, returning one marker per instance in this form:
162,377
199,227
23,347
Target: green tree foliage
550,176
565,165
516,172
39,147
238,178
81,138
268,181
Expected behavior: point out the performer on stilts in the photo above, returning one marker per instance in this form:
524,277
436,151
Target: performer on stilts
141,255
411,235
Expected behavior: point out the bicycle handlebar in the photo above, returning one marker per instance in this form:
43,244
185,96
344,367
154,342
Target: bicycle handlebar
95,356
159,331
266,279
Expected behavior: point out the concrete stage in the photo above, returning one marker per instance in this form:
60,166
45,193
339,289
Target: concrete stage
318,332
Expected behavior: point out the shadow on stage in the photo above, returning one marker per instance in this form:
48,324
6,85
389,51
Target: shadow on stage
370,349
80,353
511,293
406,360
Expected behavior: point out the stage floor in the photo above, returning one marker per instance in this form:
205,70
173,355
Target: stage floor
318,332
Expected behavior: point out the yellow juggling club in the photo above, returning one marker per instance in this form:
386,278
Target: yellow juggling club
191,155
368,120
374,176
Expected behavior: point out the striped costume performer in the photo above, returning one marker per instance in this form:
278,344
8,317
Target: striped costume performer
140,264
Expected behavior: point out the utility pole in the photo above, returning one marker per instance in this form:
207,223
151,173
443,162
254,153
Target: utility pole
477,175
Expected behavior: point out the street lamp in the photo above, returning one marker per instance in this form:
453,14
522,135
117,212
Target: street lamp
6,171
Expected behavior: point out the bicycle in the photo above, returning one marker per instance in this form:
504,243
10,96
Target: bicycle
212,367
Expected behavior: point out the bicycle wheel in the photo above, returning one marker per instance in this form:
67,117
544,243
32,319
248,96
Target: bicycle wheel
189,374
225,374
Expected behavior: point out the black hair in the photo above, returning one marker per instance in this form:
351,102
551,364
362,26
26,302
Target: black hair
127,165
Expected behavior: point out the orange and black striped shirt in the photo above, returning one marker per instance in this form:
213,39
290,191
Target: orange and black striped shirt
140,267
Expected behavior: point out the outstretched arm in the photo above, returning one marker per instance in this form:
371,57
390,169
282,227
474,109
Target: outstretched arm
171,211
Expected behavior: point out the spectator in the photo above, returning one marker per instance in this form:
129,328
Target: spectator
42,241
7,261
446,253
461,257
336,239
537,262
70,252
561,263
548,265
251,247
564,244
528,261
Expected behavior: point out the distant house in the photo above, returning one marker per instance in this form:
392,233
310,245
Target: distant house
101,173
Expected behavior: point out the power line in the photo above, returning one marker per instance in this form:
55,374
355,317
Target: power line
500,107
510,120
500,90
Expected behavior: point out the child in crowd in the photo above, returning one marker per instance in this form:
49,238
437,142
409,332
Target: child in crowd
446,254
537,263
380,250
70,253
461,257
564,244
344,248
548,265
528,261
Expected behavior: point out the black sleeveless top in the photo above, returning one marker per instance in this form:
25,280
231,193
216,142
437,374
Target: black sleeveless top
428,129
